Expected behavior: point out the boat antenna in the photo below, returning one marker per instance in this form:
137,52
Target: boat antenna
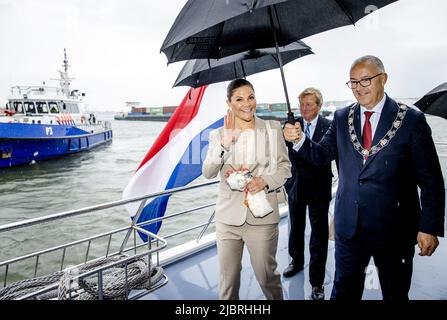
64,79
65,65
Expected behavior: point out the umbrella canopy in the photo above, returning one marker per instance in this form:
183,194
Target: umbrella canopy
213,29
217,28
434,102
196,73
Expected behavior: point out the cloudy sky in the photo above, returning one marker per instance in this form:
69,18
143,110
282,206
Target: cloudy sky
113,47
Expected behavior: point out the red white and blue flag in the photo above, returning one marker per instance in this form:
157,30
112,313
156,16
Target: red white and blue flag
176,157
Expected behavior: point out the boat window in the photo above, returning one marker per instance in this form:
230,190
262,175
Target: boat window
54,108
71,108
42,107
18,107
75,108
29,107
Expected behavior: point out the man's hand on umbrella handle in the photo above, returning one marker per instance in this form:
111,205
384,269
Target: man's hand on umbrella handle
290,117
292,133
230,133
427,243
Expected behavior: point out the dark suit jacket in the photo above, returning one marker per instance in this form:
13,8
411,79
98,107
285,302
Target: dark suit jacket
380,198
309,181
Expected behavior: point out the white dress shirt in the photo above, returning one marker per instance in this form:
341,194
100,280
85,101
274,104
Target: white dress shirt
375,117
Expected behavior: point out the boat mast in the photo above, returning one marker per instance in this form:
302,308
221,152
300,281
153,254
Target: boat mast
64,79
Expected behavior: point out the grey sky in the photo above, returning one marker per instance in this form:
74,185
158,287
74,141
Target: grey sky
113,47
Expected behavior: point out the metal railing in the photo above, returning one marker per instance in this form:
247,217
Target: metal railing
154,246
36,90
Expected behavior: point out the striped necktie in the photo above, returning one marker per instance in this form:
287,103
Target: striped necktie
307,130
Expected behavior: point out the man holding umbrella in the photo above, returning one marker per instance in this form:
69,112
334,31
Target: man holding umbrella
385,153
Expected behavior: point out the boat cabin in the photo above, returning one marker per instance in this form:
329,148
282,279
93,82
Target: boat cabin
29,107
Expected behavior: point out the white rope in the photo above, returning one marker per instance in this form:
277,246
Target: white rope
113,288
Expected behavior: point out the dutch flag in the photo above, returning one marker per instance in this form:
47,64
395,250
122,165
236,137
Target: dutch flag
176,157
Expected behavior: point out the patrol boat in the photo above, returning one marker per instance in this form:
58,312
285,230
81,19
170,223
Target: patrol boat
43,122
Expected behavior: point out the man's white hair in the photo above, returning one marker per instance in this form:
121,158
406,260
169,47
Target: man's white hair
376,61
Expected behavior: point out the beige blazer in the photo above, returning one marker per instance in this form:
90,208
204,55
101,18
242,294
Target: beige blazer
230,208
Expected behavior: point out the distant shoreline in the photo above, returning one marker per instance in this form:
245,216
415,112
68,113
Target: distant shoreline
337,103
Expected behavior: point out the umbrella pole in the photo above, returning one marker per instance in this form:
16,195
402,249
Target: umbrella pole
290,116
243,69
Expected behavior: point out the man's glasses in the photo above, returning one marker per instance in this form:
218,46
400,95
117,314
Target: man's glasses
352,84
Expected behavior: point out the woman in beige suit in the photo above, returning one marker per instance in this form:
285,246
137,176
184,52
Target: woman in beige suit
244,142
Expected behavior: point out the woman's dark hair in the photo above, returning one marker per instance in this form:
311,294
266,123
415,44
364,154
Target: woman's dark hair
237,83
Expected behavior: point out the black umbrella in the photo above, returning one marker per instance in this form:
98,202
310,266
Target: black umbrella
212,29
196,73
434,102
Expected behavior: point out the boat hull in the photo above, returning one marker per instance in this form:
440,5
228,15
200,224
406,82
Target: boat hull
19,148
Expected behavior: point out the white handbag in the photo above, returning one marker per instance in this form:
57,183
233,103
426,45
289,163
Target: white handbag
258,203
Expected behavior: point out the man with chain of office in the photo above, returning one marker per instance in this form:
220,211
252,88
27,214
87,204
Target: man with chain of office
385,152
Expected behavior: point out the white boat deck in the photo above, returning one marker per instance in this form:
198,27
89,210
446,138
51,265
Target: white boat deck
196,277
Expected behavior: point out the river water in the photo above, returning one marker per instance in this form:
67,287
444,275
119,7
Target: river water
90,178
